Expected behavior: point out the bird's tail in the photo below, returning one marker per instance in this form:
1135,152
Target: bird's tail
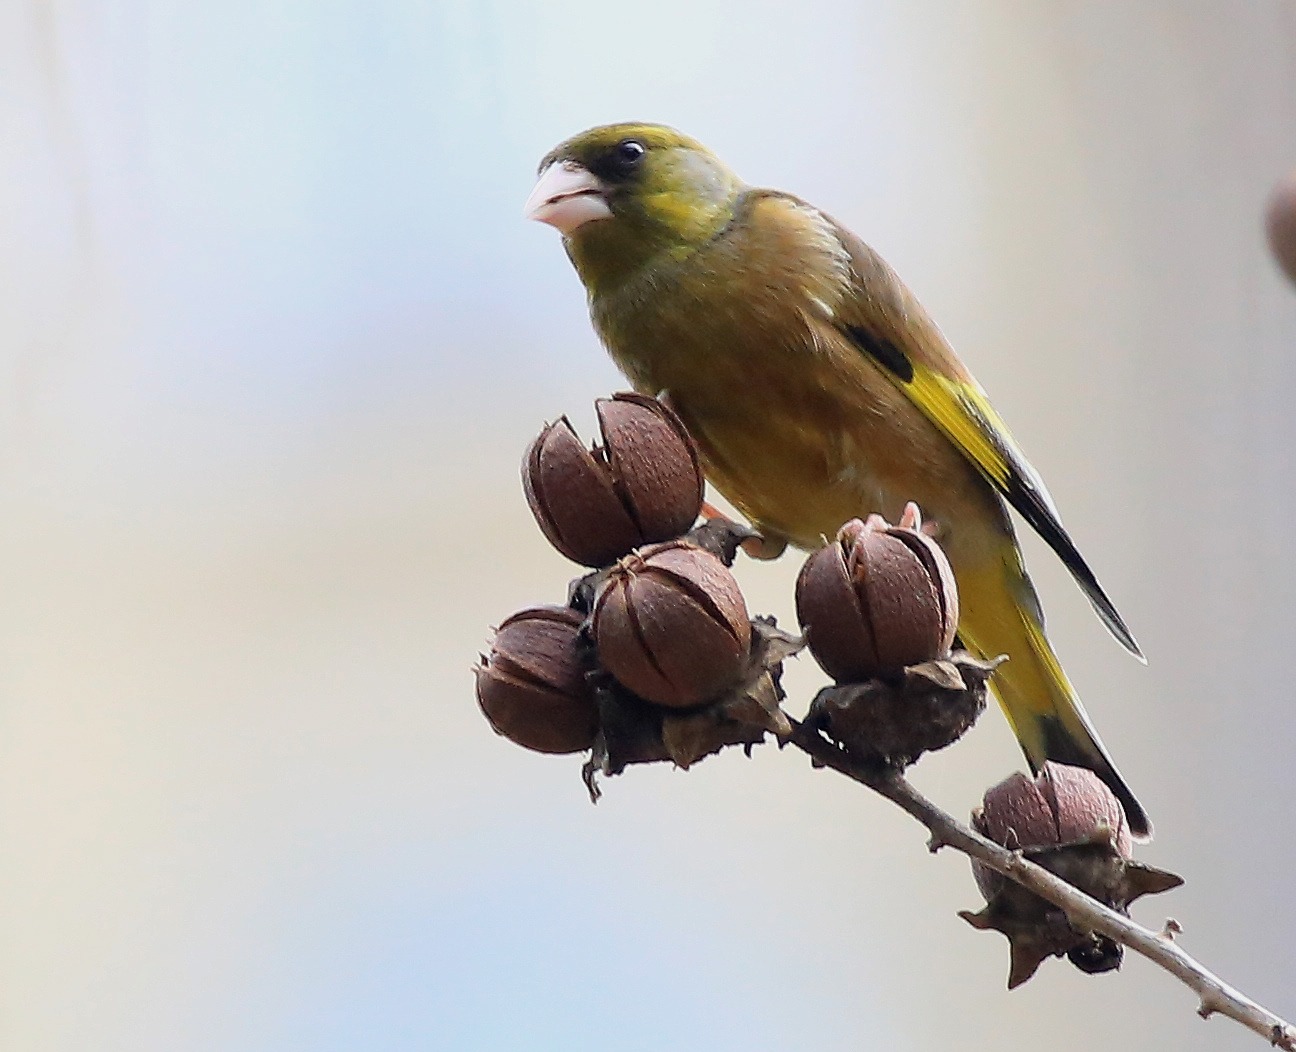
1041,705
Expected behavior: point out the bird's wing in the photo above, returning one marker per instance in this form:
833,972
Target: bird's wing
886,322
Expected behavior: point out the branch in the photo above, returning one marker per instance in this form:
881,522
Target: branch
1084,913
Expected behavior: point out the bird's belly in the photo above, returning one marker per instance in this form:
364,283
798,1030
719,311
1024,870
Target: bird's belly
803,479
802,450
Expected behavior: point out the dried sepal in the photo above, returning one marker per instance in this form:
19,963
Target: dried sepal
531,686
893,723
876,599
641,485
1034,935
723,537
746,712
670,624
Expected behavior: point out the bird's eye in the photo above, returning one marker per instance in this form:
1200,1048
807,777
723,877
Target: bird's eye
630,151
618,163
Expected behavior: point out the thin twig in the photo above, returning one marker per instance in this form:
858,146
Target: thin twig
1084,913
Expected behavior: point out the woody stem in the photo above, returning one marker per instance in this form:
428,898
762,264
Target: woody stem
1083,912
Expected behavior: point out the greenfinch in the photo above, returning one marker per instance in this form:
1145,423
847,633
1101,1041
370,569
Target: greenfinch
818,390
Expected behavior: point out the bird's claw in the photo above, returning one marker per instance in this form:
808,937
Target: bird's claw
764,546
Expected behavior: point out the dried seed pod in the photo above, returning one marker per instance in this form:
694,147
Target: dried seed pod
1085,807
1067,821
1280,225
875,600
670,624
531,686
653,463
642,485
573,500
1061,805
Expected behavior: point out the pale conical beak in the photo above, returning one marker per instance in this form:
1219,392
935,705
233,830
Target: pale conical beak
567,196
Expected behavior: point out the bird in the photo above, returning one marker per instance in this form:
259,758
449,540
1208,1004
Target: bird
818,390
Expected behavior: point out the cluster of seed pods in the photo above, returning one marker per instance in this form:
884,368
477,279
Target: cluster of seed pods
668,620
660,617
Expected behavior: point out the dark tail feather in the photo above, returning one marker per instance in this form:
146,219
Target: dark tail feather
1026,493
1106,611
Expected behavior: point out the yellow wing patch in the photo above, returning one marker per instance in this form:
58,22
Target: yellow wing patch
966,417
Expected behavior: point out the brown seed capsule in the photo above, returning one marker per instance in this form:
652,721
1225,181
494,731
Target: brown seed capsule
875,600
1067,821
670,624
1061,805
1280,225
532,688
642,485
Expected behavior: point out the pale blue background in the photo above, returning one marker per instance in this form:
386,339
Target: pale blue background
274,336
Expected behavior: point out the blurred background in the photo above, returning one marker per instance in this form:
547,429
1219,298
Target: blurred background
274,336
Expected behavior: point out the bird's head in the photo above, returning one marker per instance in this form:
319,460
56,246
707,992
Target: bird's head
627,195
